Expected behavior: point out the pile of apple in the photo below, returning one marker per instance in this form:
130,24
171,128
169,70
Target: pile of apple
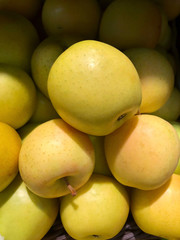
89,117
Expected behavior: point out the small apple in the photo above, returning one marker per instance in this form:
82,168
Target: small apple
55,159
10,144
98,211
94,87
144,152
156,75
24,215
17,96
157,211
101,166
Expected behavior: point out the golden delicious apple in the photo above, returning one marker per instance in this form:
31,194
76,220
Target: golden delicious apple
10,144
81,17
126,24
156,75
44,109
98,211
56,158
157,212
170,111
24,215
144,152
18,40
45,54
17,96
101,166
94,87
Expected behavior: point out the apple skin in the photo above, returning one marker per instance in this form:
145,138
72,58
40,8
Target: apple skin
10,144
53,152
94,87
157,212
98,211
22,212
156,75
17,96
144,152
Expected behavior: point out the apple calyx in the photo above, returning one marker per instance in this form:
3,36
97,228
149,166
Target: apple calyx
71,189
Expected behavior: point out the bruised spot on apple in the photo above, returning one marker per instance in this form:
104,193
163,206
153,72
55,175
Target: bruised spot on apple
94,87
55,159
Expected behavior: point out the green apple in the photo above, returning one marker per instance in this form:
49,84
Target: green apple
10,144
18,39
98,211
94,87
101,166
56,159
157,212
81,17
44,109
125,24
24,215
144,152
156,75
17,96
170,111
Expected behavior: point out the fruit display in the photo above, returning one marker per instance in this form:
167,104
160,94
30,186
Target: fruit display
89,120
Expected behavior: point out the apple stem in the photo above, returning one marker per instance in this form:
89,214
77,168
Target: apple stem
71,189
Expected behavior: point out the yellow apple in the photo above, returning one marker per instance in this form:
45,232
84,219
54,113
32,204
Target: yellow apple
157,212
10,144
144,152
56,158
94,87
98,211
81,17
101,166
170,111
126,24
24,215
44,110
17,96
156,75
18,40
